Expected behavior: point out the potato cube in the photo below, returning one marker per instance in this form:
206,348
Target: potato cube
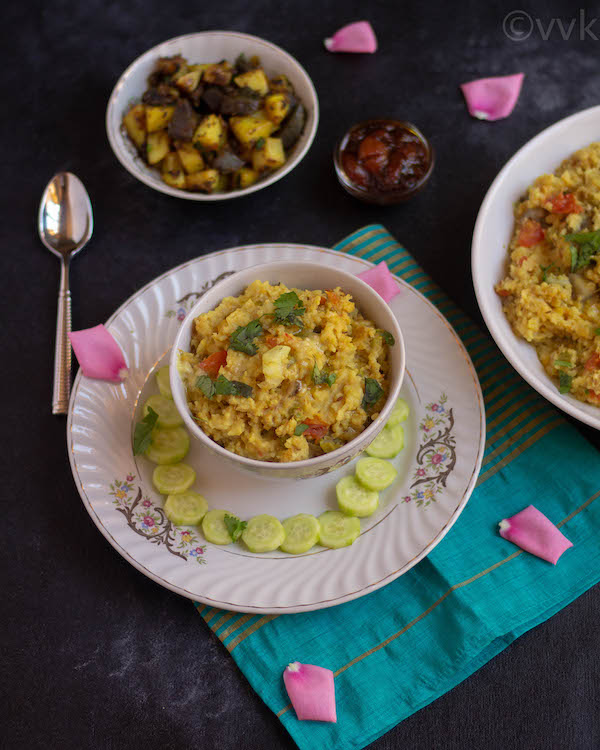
270,156
245,177
280,84
158,118
210,133
190,157
218,73
277,107
189,81
249,128
273,364
157,147
135,124
172,172
206,180
253,79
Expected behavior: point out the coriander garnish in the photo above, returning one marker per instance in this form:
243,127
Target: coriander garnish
288,308
260,144
242,338
597,331
373,392
545,270
223,387
235,527
386,336
301,428
564,382
562,363
589,246
142,435
320,377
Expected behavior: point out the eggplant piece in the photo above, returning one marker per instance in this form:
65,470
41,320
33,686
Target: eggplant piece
160,96
213,97
167,66
196,96
294,125
184,121
227,162
239,104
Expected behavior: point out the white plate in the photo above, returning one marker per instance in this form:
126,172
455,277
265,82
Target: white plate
493,230
207,46
445,436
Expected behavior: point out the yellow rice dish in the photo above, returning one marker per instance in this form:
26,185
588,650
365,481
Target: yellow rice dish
281,374
551,294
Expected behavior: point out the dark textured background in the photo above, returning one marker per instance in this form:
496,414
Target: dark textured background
96,655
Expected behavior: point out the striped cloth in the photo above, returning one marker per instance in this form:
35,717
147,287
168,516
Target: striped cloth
401,647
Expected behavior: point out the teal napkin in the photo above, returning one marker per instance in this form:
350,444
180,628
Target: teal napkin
399,648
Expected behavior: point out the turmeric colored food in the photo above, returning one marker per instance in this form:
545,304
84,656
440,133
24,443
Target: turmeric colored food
551,294
281,374
214,127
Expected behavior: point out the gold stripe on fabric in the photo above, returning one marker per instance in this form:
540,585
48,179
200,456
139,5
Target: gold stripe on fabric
222,620
251,629
212,611
447,593
521,448
360,240
512,439
520,404
380,253
235,626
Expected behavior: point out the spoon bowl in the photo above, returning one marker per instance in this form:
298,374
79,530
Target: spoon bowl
65,225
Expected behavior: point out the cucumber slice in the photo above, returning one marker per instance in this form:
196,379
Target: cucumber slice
186,508
399,413
354,499
173,479
263,534
301,534
162,380
168,446
214,529
168,416
375,473
388,443
337,530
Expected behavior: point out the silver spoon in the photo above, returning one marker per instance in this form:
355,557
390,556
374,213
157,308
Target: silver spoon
65,224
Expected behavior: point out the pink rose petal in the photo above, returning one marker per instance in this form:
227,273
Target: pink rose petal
533,532
98,354
381,280
355,37
311,691
492,98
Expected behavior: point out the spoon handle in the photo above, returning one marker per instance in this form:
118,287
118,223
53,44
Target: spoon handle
62,348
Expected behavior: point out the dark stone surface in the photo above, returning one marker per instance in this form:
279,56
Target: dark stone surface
96,655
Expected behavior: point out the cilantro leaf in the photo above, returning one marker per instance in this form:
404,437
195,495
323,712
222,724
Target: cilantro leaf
301,428
224,387
206,385
288,308
142,435
589,246
373,392
562,363
545,270
320,377
235,527
241,338
260,144
564,382
386,336
597,331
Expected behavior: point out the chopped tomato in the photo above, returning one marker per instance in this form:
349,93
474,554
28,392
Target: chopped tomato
502,292
316,429
593,362
565,203
323,301
213,363
530,234
593,396
289,336
522,260
332,297
271,342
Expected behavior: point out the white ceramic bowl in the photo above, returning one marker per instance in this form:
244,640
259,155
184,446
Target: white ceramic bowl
207,46
300,276
493,231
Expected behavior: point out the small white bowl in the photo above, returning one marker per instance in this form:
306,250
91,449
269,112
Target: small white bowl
300,276
207,46
493,231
